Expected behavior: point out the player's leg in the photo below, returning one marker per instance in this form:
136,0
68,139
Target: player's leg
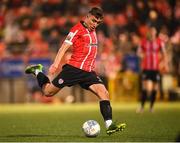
143,91
155,79
143,98
105,108
153,96
43,81
50,90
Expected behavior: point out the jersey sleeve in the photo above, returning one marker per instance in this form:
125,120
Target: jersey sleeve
72,35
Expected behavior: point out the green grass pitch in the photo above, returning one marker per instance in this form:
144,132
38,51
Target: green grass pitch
62,123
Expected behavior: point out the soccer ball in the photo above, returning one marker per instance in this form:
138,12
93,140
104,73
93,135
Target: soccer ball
91,128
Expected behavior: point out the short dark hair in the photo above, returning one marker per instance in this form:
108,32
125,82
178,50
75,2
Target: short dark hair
97,12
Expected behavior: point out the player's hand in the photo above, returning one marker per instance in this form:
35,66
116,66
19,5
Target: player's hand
53,69
167,68
164,67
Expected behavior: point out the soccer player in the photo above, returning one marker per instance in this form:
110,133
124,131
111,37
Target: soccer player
79,69
149,52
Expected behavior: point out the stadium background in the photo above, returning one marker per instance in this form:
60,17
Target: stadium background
31,32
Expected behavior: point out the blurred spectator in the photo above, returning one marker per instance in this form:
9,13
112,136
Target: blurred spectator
54,40
124,44
35,28
142,10
176,52
154,19
2,49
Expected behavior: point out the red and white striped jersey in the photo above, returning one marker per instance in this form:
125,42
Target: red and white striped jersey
84,47
150,50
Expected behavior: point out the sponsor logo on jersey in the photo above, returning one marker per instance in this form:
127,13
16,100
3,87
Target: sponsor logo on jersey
93,44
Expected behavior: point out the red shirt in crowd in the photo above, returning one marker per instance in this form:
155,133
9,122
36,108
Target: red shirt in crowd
150,50
84,47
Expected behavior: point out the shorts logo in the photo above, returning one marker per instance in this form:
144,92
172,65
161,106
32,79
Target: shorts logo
99,79
60,81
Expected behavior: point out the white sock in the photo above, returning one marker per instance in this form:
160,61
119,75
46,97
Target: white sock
108,123
37,71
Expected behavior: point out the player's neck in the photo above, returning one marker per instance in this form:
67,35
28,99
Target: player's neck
84,24
151,38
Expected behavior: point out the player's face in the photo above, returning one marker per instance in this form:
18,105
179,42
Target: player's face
152,33
93,22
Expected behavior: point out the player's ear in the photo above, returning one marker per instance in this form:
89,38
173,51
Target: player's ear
88,15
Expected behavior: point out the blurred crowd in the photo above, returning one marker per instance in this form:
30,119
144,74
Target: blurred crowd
36,28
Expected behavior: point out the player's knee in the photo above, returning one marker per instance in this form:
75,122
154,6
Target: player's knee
49,91
105,95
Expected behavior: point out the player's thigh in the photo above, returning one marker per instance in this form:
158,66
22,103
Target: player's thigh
50,90
100,91
155,85
156,80
147,85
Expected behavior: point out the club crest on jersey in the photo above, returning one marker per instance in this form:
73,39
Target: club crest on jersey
60,81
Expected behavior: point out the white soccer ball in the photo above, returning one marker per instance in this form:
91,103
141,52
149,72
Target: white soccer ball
91,128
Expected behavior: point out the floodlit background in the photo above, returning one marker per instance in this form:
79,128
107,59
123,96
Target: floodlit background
31,32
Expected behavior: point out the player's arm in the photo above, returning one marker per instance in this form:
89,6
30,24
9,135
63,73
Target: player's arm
71,37
164,57
54,67
140,52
